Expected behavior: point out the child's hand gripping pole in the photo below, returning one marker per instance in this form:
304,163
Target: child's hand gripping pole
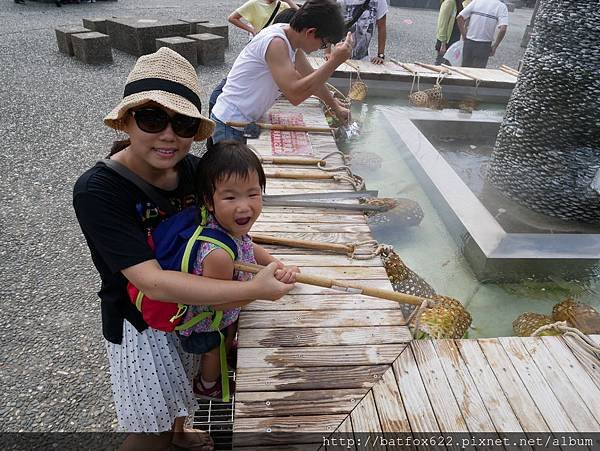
349,287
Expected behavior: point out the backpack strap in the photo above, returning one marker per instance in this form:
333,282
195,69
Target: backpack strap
153,194
225,242
359,12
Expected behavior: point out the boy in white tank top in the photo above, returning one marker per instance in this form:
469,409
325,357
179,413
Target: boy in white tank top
275,63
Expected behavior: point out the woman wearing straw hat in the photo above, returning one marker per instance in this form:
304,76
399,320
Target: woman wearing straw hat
161,113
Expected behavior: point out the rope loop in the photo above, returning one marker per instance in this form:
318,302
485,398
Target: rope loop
416,315
377,249
564,328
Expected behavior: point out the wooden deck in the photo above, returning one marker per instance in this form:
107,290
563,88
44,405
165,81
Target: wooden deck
323,361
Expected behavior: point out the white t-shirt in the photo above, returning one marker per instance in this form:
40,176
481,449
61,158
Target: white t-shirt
362,30
250,89
484,16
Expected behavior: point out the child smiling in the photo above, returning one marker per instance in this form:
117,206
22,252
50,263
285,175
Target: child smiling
230,182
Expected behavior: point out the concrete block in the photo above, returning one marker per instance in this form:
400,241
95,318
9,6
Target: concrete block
184,46
63,38
213,28
211,48
92,48
96,24
138,36
193,24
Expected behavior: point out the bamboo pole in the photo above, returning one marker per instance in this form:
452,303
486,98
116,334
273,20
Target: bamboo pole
438,69
509,70
328,205
299,175
404,66
283,127
299,161
461,72
342,285
305,244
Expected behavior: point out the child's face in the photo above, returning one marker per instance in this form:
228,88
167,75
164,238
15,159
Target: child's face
237,203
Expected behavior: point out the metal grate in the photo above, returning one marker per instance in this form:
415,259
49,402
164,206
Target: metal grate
216,418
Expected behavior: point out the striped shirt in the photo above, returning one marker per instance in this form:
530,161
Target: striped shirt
484,16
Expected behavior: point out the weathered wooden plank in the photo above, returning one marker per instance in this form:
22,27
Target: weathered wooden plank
418,408
310,212
585,357
345,238
516,389
389,404
333,336
447,411
364,419
311,378
490,390
284,430
550,408
297,218
461,383
297,403
331,301
342,437
309,227
320,356
574,405
574,369
326,318
324,260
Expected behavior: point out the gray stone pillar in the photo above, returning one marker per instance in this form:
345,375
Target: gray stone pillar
548,148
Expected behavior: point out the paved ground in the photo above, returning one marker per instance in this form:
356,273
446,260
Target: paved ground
53,368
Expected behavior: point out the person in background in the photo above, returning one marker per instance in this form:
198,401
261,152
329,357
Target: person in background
484,17
258,14
275,63
362,16
448,31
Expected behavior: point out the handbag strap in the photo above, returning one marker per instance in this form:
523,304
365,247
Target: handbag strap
153,194
272,15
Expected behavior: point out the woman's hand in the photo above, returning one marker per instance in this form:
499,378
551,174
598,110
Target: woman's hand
266,286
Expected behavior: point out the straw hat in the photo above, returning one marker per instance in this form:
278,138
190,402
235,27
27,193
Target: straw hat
168,79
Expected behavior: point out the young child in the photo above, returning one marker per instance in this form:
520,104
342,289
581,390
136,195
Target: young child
230,182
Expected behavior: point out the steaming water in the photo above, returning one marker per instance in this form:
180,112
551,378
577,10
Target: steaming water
429,249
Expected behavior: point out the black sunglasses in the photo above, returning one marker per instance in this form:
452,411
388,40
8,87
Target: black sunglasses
155,120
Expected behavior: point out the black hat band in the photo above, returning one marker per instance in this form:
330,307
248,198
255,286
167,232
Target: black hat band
159,84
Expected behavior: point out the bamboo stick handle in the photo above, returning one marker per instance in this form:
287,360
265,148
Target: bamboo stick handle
461,72
404,66
341,285
305,244
293,160
441,70
352,65
509,70
283,127
298,176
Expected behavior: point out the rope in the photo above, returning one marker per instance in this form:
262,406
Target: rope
416,316
416,76
566,330
378,249
337,152
356,181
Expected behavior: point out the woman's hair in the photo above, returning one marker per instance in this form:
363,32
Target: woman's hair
324,15
222,160
119,145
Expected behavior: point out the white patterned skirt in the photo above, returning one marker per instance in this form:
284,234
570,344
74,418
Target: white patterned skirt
151,380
